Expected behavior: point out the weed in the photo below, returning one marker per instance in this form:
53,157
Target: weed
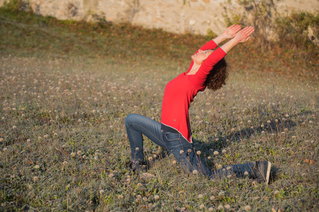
17,5
295,28
67,87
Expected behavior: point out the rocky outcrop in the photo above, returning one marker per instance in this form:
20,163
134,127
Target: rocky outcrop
179,16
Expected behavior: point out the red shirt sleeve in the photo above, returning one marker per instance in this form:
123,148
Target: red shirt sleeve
209,45
208,64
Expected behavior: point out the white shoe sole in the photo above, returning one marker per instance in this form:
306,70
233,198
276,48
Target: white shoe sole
268,172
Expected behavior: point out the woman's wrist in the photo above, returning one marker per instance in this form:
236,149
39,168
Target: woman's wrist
235,39
220,38
230,44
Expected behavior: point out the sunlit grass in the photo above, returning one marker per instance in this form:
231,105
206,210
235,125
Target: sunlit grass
66,89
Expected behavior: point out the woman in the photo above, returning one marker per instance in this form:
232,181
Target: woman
207,69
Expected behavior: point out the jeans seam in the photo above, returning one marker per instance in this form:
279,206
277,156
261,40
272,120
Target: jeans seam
144,128
191,161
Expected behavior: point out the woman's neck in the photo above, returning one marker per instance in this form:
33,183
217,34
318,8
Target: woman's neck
194,69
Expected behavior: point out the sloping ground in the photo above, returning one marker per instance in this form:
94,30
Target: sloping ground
65,92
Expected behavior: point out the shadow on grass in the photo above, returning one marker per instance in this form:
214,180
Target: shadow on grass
273,127
273,173
246,133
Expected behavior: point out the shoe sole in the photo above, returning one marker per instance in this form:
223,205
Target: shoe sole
268,172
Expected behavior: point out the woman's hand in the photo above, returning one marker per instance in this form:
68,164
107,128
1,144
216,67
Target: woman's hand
241,36
244,34
231,31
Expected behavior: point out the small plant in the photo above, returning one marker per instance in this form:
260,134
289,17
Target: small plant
296,27
17,5
67,86
299,29
211,34
233,19
258,13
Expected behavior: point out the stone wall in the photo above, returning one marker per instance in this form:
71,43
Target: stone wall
179,16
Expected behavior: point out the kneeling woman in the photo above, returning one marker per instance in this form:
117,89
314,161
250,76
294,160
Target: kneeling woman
207,69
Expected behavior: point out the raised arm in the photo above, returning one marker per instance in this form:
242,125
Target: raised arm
207,65
230,32
242,36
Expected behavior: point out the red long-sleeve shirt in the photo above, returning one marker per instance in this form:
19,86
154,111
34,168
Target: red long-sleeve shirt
180,92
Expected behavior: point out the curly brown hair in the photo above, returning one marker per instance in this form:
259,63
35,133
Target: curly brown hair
217,76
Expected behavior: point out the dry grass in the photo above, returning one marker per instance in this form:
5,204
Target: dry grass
65,91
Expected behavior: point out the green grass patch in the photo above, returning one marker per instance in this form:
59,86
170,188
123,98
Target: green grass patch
67,86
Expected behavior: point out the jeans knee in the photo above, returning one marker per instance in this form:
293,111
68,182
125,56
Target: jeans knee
129,119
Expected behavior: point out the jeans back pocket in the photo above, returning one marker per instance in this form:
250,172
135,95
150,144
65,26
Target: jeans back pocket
170,136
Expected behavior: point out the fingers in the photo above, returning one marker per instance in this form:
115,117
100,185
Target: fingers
244,34
235,27
232,30
248,38
248,30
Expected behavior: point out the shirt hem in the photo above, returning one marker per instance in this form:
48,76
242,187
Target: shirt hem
191,141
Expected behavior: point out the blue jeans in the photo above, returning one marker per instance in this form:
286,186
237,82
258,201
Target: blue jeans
171,140
166,137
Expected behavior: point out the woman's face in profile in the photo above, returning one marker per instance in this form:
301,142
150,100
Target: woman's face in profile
200,56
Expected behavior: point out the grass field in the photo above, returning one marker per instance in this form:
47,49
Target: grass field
66,87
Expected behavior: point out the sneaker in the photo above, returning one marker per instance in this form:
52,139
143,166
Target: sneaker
138,166
262,171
